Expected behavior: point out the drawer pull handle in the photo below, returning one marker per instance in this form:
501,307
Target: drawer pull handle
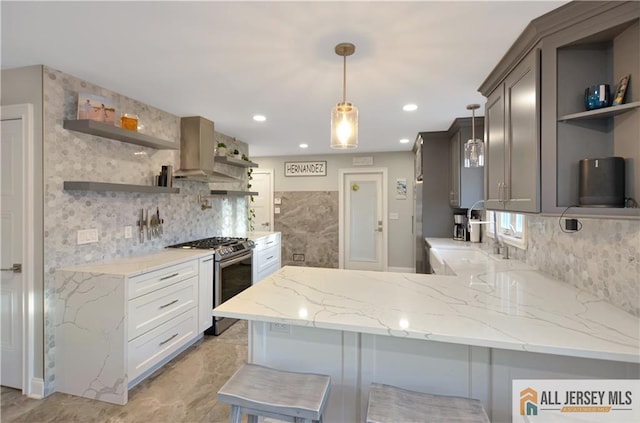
270,242
172,336
170,276
207,260
269,258
168,304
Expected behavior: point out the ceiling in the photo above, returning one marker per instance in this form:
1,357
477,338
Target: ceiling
228,61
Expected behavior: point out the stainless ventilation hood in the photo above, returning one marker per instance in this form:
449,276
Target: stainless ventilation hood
197,147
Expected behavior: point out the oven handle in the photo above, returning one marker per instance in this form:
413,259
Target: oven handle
235,260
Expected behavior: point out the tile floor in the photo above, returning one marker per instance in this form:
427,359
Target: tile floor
184,390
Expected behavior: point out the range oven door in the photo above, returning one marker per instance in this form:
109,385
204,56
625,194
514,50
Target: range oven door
231,277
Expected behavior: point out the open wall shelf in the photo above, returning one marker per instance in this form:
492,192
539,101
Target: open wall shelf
111,187
234,162
603,113
233,193
106,130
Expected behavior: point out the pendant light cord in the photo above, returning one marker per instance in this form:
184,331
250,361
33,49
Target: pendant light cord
473,125
344,78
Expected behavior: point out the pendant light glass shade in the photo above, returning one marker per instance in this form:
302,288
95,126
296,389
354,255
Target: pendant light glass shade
344,126
344,117
473,148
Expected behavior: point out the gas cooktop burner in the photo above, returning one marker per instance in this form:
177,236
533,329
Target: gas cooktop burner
209,243
225,247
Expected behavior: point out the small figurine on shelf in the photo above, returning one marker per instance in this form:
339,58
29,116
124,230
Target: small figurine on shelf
221,150
236,153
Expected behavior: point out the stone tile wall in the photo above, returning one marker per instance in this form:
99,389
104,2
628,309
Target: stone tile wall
73,156
602,258
308,221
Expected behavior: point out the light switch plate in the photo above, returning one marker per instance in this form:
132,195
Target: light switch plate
128,232
87,236
277,200
276,210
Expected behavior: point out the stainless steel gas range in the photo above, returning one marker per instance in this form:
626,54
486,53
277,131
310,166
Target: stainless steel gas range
232,271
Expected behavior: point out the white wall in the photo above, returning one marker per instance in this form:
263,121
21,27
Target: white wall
399,165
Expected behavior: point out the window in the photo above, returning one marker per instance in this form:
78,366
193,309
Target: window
512,228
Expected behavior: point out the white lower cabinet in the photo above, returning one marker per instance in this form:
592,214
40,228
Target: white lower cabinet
266,256
114,327
205,295
147,350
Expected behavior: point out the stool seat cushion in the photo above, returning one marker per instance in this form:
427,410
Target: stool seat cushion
301,395
391,404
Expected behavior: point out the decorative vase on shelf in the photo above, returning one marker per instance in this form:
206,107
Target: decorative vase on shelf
221,151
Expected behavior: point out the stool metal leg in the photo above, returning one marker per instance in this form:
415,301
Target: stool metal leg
236,415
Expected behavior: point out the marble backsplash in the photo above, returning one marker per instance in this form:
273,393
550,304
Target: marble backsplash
602,258
74,156
308,221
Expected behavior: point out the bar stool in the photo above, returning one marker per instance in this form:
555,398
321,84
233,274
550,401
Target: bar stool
261,391
389,404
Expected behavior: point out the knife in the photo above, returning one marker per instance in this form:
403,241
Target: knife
148,225
141,224
159,221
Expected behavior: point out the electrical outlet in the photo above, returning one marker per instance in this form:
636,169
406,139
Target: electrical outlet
276,210
87,236
298,257
280,327
128,232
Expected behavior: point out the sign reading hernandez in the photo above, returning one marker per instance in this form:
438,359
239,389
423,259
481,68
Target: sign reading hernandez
305,168
571,400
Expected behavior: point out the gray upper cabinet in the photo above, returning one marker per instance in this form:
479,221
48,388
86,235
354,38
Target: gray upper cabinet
465,184
512,136
601,47
536,127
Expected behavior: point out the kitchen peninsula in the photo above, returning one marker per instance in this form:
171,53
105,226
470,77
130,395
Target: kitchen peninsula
467,335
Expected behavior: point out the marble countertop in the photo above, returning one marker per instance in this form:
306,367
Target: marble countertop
135,265
255,235
450,243
490,303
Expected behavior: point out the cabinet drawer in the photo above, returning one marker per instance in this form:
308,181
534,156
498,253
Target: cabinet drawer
150,348
267,241
267,257
152,281
151,310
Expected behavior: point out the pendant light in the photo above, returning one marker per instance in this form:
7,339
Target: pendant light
473,148
344,117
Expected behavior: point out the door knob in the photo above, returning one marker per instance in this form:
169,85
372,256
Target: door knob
16,268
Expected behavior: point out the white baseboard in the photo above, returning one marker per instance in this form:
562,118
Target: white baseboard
36,390
401,269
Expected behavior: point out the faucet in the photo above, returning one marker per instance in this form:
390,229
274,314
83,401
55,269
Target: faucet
469,214
499,246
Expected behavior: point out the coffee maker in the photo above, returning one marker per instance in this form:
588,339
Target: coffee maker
460,227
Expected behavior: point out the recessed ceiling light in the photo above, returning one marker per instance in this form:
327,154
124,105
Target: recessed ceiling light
304,145
259,118
410,107
404,141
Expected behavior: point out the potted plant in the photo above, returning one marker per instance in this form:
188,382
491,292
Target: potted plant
236,153
221,149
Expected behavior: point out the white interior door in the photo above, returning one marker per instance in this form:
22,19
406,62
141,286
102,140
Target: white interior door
262,204
11,233
363,229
